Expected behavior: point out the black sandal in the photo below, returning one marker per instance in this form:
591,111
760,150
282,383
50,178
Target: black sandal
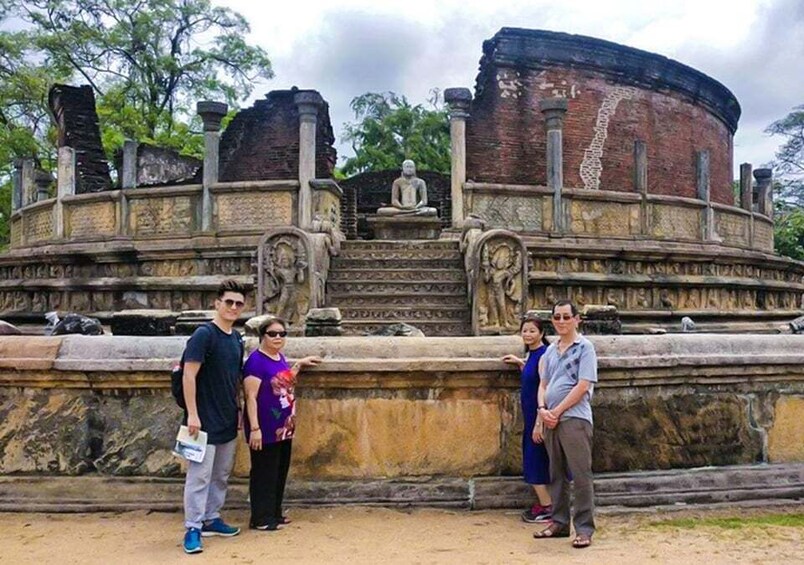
552,531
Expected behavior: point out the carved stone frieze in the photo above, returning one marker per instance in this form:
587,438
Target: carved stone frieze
519,213
604,218
250,210
732,228
675,222
420,288
90,220
39,225
162,216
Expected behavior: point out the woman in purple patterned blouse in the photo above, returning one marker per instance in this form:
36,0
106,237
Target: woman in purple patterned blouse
270,422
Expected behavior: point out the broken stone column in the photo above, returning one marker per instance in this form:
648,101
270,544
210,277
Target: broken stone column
65,186
764,178
554,110
129,175
42,182
458,100
308,104
321,322
705,194
745,187
211,113
16,187
27,181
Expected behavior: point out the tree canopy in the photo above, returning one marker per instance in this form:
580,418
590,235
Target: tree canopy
789,185
389,129
148,62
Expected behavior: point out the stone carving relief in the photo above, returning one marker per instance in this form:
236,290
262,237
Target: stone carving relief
284,275
161,216
592,166
496,264
90,220
518,213
242,211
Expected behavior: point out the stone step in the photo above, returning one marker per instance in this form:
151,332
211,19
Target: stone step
366,299
350,263
386,245
429,327
390,288
406,313
397,275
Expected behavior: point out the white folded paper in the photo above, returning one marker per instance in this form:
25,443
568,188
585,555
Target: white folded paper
189,447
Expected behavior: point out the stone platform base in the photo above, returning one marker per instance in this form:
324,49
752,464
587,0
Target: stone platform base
405,227
746,484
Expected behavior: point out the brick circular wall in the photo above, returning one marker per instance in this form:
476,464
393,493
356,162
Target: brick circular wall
616,95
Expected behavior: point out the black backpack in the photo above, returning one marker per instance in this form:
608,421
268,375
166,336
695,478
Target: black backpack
177,374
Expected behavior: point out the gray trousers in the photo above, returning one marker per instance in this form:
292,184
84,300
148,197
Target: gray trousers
569,447
205,484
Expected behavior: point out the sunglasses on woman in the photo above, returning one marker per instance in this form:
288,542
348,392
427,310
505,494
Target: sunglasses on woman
272,333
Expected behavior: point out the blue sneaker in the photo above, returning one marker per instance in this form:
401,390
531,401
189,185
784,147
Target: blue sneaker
192,541
218,527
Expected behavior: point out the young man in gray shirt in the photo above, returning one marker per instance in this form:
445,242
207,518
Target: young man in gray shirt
568,372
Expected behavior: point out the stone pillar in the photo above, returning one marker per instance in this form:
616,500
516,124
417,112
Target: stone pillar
704,193
16,187
211,113
308,104
65,186
554,110
764,178
746,192
641,182
42,182
129,174
458,100
28,186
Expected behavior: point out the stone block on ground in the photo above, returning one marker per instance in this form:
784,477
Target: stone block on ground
143,322
78,324
323,322
401,330
8,329
189,320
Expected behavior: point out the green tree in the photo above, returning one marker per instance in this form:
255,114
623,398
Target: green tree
149,61
789,185
389,129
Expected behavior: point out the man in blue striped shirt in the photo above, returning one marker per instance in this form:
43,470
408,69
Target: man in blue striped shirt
568,372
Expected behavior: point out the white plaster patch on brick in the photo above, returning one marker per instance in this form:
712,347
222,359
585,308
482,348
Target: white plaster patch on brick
592,166
562,89
509,84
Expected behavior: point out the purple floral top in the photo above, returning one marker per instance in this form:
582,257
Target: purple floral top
276,405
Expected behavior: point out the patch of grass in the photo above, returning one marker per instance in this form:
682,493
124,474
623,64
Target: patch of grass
733,523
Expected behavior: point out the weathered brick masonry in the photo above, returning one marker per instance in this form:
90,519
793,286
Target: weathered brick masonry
262,142
616,95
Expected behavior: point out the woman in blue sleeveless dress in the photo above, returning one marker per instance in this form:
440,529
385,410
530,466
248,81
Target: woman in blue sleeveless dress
535,464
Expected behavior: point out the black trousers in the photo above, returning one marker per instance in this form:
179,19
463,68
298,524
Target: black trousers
269,473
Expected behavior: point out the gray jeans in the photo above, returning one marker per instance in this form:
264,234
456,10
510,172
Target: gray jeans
569,447
205,484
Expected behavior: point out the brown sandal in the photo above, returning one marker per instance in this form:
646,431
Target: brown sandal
552,531
581,541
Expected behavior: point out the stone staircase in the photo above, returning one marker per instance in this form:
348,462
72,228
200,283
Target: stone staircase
379,283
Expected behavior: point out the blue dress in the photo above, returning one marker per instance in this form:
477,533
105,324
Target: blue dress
536,466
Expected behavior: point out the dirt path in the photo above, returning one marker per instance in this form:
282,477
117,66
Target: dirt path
375,535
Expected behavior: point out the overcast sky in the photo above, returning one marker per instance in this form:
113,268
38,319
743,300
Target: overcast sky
344,48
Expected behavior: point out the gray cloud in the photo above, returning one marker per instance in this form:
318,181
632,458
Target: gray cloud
355,52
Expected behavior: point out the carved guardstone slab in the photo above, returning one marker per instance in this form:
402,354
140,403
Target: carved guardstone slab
412,227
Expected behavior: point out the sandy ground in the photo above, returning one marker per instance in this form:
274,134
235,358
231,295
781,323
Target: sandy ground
358,535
